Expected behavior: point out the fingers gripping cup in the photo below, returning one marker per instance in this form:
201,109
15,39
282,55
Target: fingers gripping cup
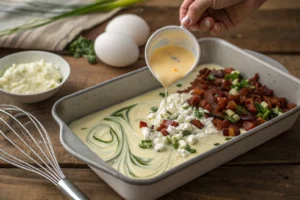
172,53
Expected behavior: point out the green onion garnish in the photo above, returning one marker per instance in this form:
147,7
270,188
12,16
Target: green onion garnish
198,114
186,133
211,77
217,144
154,109
145,144
162,94
232,76
179,85
189,149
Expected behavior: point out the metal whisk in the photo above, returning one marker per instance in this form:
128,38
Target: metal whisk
31,148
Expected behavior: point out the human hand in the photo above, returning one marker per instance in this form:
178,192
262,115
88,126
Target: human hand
216,16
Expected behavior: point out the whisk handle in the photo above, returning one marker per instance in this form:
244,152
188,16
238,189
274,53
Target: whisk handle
70,190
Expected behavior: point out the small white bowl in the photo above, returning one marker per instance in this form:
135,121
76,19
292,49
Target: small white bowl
33,56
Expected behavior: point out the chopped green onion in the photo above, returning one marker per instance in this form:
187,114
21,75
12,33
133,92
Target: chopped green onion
185,107
232,76
242,84
154,109
266,114
186,133
259,108
228,139
169,139
179,85
189,149
175,144
231,119
169,112
162,94
259,115
198,114
217,144
83,128
211,77
146,144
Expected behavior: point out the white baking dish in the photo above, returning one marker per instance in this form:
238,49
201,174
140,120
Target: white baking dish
101,96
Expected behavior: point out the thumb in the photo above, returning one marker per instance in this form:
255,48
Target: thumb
195,10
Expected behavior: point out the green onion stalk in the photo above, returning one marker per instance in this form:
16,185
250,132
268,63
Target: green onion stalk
98,6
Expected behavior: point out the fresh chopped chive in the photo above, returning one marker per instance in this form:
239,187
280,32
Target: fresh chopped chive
211,77
231,119
266,114
179,85
198,114
175,144
175,117
185,107
228,138
82,47
232,76
259,108
84,128
154,109
241,110
169,140
186,133
162,94
169,112
145,144
189,149
217,144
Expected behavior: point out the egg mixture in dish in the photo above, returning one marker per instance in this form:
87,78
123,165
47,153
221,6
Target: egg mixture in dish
30,78
150,134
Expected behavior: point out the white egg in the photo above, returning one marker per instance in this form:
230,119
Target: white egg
116,49
131,25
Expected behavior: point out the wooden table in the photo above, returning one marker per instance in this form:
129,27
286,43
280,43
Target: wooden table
271,171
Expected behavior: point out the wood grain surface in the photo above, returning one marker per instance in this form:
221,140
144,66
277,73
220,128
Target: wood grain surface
270,171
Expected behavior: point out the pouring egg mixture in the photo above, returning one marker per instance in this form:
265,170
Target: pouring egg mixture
150,134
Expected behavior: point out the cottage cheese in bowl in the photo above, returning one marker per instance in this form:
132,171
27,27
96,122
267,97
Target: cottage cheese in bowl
30,78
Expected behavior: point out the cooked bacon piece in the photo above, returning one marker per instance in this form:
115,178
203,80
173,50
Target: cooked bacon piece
194,101
243,99
231,105
280,102
208,107
217,82
235,98
197,123
161,127
291,106
220,124
169,123
249,125
254,79
249,104
260,121
198,92
248,118
244,91
203,103
222,102
223,94
218,73
228,70
268,91
255,97
226,84
232,130
143,124
164,132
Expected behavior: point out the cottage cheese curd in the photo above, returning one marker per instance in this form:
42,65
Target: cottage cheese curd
176,108
30,78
